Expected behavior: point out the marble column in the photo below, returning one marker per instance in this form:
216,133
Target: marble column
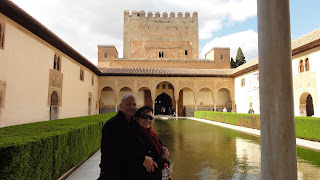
176,110
278,143
153,106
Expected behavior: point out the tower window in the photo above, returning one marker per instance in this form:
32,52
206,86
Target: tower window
161,55
105,55
186,52
221,57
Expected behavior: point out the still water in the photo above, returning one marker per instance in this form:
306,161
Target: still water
205,151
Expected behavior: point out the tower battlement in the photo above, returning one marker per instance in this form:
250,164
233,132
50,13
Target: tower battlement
155,35
142,14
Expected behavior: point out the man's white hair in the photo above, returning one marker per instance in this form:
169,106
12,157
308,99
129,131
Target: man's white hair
126,96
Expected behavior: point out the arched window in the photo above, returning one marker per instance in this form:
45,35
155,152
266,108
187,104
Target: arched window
306,64
55,62
163,86
1,36
105,55
301,68
221,57
58,63
81,75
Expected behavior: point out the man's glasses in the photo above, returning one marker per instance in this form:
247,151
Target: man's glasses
144,116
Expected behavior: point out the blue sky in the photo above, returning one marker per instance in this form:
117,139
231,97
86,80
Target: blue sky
222,23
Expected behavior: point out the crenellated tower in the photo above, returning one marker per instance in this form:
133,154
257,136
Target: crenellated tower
155,36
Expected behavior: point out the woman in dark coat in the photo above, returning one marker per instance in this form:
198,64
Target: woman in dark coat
144,142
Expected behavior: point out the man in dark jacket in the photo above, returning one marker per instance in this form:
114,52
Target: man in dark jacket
114,143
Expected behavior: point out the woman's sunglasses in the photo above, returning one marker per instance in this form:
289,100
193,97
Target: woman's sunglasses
144,116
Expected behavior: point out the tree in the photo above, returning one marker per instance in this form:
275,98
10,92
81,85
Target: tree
240,59
232,63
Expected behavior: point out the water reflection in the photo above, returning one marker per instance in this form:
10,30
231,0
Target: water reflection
204,151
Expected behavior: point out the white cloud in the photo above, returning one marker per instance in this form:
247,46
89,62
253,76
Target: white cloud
85,24
246,40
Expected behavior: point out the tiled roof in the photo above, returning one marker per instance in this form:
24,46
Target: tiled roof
167,72
306,39
306,42
251,65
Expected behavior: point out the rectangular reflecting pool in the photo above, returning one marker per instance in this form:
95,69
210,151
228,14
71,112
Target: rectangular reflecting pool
205,151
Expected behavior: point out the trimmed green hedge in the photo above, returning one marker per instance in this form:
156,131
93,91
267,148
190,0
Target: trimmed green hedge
238,119
46,150
306,127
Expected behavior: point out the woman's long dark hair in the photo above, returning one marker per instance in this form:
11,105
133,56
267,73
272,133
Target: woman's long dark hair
141,110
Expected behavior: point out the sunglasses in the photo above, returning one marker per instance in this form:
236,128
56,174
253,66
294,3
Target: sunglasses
144,116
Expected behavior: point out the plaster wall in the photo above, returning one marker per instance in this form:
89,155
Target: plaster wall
249,93
75,92
26,61
307,81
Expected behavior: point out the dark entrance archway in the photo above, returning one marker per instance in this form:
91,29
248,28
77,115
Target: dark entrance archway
309,106
163,104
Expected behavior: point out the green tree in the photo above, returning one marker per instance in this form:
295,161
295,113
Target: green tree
240,59
232,63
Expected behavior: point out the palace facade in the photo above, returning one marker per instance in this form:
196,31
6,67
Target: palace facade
43,78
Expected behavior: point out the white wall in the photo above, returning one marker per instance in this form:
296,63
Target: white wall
248,93
25,62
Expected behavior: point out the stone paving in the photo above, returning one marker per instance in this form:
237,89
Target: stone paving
90,169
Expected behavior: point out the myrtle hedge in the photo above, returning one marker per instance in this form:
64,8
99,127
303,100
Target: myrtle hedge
46,150
306,127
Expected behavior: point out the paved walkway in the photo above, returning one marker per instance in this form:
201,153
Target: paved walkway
90,169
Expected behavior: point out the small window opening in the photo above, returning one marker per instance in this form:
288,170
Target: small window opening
301,68
163,86
58,63
161,55
243,82
186,52
81,75
1,35
105,55
307,64
221,57
55,62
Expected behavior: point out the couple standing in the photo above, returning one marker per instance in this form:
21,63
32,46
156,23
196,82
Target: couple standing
130,148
